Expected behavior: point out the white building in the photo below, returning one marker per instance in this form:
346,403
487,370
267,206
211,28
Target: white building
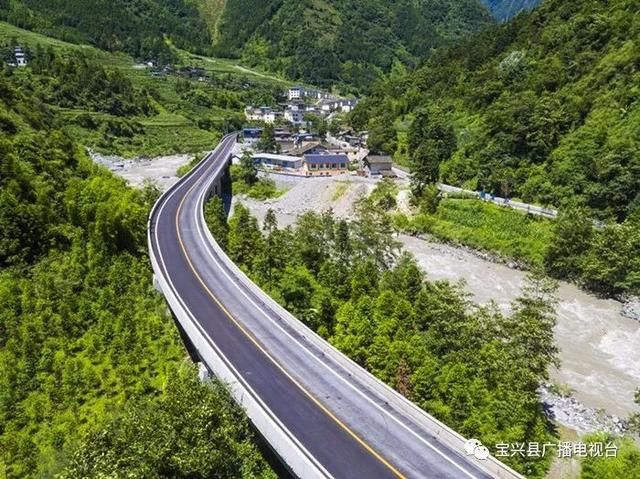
21,58
264,113
294,116
269,116
326,106
253,114
278,162
296,93
347,105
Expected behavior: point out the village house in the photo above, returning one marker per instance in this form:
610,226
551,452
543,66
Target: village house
264,113
282,134
379,165
294,116
295,93
20,57
312,148
327,106
278,162
325,165
251,134
346,106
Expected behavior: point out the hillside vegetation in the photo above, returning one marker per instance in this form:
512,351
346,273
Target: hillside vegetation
348,41
107,103
82,331
138,27
545,108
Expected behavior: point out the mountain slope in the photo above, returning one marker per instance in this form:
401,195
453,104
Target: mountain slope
545,108
138,27
350,41
507,9
320,41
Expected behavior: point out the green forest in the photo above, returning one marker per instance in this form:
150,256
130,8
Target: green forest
351,42
141,28
88,351
544,108
471,366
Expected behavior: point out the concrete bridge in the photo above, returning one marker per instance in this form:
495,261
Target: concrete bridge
322,414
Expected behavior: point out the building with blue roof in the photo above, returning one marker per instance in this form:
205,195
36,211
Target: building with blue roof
252,133
325,164
277,162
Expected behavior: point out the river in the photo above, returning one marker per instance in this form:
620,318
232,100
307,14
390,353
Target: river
599,348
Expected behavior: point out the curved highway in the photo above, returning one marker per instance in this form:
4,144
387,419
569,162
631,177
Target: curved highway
322,414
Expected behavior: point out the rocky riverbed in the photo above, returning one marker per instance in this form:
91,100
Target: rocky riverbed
568,411
599,347
631,307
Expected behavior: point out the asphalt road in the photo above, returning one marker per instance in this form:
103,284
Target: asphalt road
344,420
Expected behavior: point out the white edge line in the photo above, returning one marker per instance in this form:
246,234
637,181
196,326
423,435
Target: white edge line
255,396
200,203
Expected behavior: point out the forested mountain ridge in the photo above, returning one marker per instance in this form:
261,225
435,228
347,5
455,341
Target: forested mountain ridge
138,27
507,9
321,41
349,41
545,108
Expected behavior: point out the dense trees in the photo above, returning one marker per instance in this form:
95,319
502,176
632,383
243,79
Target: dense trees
626,463
267,142
188,431
431,142
543,108
138,27
81,329
472,367
572,236
247,172
75,81
347,41
604,259
612,263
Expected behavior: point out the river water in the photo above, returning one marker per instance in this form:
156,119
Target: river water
599,348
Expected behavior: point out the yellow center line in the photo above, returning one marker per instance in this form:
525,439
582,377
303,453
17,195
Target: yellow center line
242,328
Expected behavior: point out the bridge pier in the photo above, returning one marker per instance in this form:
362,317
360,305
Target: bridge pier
203,372
156,284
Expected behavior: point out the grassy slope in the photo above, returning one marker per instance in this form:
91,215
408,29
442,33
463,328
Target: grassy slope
211,11
174,128
484,226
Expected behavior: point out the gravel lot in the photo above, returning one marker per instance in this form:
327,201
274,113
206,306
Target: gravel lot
160,170
310,194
